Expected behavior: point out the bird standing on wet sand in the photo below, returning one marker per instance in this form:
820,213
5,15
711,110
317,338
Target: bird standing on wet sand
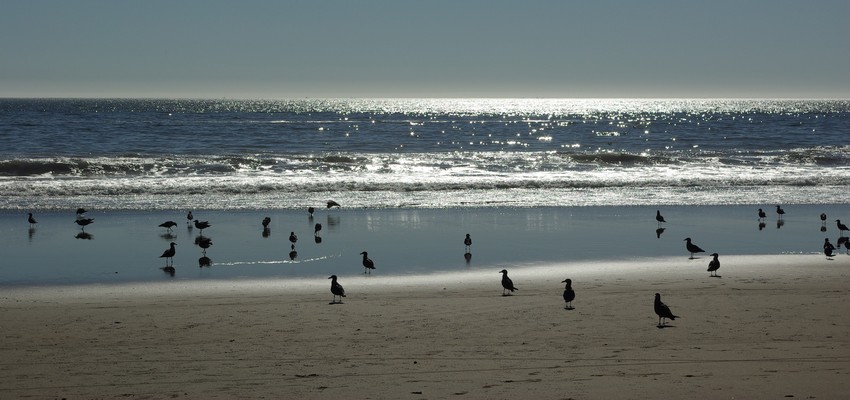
467,242
293,238
80,212
311,210
189,217
762,214
82,222
31,220
507,283
663,311
266,222
202,225
368,264
713,265
337,290
204,243
316,229
659,217
841,227
823,219
828,248
779,211
332,203
169,253
569,293
692,248
168,225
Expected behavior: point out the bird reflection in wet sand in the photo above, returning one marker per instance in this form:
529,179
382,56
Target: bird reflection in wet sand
293,254
659,231
84,235
204,262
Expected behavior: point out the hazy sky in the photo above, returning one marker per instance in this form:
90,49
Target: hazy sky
425,48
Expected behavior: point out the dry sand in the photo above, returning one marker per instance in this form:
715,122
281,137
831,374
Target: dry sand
771,327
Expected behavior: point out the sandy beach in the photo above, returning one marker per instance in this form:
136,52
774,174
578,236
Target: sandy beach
770,327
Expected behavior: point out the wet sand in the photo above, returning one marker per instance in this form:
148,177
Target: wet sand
770,327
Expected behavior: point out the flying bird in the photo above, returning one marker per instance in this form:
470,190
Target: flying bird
368,264
663,311
337,290
507,283
714,265
692,248
569,293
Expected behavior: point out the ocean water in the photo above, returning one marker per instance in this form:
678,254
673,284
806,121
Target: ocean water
118,154
534,181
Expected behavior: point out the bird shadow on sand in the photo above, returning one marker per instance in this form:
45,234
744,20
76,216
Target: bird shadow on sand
662,326
335,302
569,308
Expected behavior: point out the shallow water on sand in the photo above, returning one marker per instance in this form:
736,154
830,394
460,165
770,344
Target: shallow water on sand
125,246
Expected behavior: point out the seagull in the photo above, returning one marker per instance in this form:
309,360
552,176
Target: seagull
336,289
828,248
168,225
31,220
266,222
80,212
367,263
82,222
293,238
841,227
204,243
169,253
663,311
189,217
507,283
780,212
658,217
316,229
569,294
713,265
332,203
823,219
692,248
467,242
311,210
762,214
202,225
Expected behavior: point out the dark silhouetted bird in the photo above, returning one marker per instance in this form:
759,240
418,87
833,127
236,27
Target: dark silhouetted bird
332,203
266,222
82,222
31,220
467,242
311,210
779,211
169,253
713,265
204,243
828,248
316,229
368,264
168,225
507,283
659,218
569,293
189,217
337,290
80,212
692,248
293,238
841,227
663,311
202,225
823,219
762,214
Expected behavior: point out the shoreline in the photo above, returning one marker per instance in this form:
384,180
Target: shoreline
772,326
